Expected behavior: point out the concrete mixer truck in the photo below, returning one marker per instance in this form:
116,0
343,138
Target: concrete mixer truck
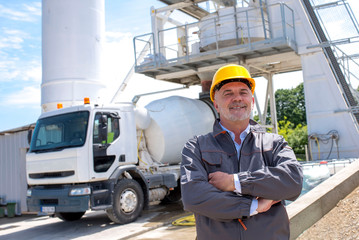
116,158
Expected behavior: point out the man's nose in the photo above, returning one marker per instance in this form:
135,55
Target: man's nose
237,97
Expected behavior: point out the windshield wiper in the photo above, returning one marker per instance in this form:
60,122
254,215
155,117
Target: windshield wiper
42,150
52,149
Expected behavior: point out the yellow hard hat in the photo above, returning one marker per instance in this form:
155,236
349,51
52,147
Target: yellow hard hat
228,72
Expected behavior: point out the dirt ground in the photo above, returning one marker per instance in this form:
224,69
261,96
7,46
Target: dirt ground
342,222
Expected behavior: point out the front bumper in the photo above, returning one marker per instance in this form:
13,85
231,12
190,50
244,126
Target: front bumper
57,199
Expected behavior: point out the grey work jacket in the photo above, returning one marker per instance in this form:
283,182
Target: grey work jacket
267,168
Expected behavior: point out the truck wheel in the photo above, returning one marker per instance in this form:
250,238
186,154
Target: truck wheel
70,216
128,202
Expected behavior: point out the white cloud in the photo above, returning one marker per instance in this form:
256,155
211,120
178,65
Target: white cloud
8,70
9,75
28,96
116,36
14,66
12,39
34,9
7,64
26,13
15,32
13,71
34,73
13,42
118,61
17,74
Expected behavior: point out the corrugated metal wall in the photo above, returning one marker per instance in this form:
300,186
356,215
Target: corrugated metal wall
13,184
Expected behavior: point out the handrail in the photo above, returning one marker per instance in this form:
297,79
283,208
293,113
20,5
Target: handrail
332,56
160,58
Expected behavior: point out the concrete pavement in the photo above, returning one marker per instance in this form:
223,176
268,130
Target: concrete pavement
155,222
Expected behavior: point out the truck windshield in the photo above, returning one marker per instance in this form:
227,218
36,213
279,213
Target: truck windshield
59,132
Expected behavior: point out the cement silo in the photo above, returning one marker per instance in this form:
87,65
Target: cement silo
72,45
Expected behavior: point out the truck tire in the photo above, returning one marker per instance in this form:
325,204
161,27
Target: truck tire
70,216
128,202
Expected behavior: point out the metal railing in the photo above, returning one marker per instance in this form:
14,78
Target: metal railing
338,49
335,165
240,28
146,44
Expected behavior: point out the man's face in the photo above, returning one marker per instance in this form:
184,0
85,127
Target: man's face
234,101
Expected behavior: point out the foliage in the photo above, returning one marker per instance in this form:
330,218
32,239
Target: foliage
291,117
297,137
290,103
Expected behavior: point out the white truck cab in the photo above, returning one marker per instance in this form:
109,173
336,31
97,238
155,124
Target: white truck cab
96,157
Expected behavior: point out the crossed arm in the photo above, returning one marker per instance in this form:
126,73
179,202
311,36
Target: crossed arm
213,194
225,182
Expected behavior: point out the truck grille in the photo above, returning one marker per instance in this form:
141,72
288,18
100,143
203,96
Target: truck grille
51,174
49,201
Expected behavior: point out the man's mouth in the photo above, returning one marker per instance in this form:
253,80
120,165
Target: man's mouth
237,107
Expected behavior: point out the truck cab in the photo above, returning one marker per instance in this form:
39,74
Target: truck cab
116,157
76,157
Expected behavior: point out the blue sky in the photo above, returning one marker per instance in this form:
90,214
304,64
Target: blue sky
20,55
20,52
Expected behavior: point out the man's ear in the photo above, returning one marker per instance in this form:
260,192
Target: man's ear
215,105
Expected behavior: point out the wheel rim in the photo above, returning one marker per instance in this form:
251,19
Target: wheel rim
128,201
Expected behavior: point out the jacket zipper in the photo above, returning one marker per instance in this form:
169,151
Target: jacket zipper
239,165
240,149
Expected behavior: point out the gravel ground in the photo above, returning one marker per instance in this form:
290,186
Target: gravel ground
342,222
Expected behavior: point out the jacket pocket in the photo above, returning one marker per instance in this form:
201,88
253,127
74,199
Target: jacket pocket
212,161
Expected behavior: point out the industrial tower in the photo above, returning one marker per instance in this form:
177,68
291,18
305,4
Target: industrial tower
268,37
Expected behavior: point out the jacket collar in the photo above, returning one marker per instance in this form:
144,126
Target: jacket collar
254,127
225,140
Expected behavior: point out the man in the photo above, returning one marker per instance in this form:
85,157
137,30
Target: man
236,178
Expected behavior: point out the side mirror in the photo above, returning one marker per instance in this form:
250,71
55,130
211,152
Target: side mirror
29,136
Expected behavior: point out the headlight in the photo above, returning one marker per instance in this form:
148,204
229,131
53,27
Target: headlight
80,191
29,192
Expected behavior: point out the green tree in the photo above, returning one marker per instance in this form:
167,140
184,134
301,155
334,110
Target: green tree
290,103
291,117
296,136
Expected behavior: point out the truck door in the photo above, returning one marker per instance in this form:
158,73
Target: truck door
105,133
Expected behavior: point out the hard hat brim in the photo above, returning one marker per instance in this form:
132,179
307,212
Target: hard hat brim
250,80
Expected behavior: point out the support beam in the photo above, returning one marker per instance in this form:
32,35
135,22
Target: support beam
273,110
264,116
258,108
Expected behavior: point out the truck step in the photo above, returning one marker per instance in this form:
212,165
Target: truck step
102,207
100,192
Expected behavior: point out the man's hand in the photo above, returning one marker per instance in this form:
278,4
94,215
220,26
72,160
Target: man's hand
265,204
222,181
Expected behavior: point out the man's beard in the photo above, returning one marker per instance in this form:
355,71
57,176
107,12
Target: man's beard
225,112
